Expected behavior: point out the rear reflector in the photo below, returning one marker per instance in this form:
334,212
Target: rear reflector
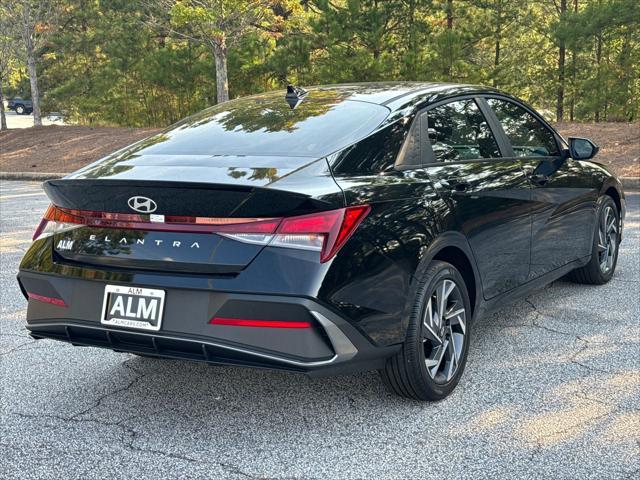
242,322
325,232
41,298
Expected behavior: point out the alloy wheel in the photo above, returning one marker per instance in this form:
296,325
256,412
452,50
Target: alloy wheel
607,239
444,328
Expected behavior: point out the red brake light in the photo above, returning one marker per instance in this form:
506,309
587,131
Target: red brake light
334,226
169,223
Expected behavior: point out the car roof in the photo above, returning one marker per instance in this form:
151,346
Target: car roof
397,95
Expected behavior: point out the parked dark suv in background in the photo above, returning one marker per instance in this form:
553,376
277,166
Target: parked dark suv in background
349,227
20,106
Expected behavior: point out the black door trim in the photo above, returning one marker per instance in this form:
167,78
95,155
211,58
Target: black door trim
498,132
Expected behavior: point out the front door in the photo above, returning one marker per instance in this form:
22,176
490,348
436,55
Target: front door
563,200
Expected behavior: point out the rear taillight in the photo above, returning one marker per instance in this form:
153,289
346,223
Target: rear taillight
325,232
55,220
58,219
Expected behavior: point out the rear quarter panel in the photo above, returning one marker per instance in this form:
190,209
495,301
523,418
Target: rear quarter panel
373,278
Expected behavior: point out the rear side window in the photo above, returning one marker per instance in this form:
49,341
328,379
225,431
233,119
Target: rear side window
376,153
529,137
458,131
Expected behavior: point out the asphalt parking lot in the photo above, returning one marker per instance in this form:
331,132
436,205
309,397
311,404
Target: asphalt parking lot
25,121
551,390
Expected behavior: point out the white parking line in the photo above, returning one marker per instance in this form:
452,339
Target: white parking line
6,197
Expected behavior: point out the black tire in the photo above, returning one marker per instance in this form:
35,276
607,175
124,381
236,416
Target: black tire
20,110
594,272
406,374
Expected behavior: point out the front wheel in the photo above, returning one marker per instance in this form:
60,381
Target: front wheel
604,252
434,354
20,109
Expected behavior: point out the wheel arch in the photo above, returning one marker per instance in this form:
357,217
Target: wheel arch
453,247
612,187
615,195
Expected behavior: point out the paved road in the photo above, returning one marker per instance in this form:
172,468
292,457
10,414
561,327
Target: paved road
551,391
25,121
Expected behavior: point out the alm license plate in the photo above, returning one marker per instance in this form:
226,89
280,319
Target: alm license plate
132,307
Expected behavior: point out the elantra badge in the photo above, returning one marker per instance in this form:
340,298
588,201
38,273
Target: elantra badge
142,204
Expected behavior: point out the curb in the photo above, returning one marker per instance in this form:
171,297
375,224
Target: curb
38,176
630,183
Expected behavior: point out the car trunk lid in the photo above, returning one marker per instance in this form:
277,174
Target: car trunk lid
131,222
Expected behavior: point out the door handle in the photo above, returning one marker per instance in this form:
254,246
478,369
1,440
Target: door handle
539,179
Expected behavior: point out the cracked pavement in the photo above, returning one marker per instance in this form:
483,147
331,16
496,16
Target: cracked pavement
551,390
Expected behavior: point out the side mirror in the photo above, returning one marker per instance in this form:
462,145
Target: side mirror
582,148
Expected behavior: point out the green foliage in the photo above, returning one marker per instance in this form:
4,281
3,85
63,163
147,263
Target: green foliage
104,68
107,64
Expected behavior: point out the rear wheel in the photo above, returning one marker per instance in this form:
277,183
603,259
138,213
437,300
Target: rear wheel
434,354
20,109
604,253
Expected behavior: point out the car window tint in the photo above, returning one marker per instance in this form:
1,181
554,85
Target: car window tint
376,153
321,124
458,131
528,136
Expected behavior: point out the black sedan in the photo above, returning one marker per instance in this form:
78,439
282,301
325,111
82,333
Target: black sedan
328,230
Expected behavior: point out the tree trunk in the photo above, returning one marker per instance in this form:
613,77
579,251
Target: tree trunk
560,100
222,80
572,104
31,63
561,68
598,63
496,58
35,93
449,66
412,64
3,118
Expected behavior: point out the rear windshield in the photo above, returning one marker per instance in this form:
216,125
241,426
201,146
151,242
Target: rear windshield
266,125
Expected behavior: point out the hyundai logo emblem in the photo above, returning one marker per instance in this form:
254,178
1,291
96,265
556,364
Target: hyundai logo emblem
142,204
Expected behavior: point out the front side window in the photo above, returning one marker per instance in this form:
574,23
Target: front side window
458,131
529,137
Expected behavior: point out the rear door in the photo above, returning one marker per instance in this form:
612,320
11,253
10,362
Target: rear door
563,200
489,193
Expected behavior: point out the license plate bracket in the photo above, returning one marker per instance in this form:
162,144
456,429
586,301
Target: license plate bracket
132,307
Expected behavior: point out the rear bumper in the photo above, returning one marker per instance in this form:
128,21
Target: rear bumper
332,344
